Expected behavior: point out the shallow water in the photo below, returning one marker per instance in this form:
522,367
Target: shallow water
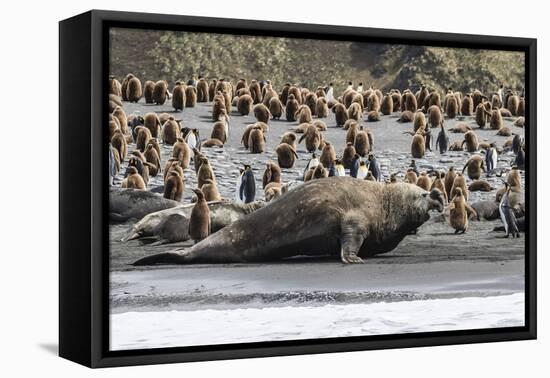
133,330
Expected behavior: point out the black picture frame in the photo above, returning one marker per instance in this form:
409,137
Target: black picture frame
83,197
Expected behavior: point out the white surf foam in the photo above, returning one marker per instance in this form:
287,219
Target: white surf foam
134,330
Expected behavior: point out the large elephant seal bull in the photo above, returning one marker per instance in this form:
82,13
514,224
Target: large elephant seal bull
172,225
333,216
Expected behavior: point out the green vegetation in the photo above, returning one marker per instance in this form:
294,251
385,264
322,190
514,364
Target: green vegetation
154,55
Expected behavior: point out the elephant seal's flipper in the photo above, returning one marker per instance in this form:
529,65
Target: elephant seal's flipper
166,258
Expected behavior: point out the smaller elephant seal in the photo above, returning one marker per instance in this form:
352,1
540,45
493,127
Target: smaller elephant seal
129,204
475,165
480,186
507,214
286,155
459,211
487,210
199,221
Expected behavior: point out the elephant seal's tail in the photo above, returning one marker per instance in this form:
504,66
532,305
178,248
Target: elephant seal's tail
167,258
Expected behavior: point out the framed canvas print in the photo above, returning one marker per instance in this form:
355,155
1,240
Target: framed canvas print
234,188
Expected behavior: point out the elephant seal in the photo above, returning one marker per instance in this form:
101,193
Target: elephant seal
158,227
487,210
129,204
360,218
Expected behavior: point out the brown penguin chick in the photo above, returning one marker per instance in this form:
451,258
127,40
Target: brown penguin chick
218,108
513,104
172,165
373,116
495,121
170,131
355,112
505,112
274,190
272,173
244,104
303,114
460,182
256,140
268,94
409,102
386,106
341,114
459,211
350,123
471,141
328,155
124,86
448,181
419,121
152,122
119,143
275,108
174,186
521,107
456,146
312,138
348,155
210,191
480,186
113,125
133,180
286,155
148,88
418,145
202,90
513,178
218,131
178,97
205,172
115,87
406,116
320,125
373,103
212,142
504,131
246,133
434,99
369,176
474,165
396,98
318,172
291,108
311,101
411,177
361,143
212,89
199,221
289,138
434,116
152,156
122,119
262,114
191,96
116,99
143,136
451,107
256,92
133,91
424,181
160,92
438,184
467,106
321,107
460,128
181,152
495,102
482,114
163,117
241,84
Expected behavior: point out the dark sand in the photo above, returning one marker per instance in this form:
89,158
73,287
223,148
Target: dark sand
435,262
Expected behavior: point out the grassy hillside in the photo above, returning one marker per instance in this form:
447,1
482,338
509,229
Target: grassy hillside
154,55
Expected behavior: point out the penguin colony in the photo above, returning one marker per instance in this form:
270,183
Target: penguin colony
298,117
